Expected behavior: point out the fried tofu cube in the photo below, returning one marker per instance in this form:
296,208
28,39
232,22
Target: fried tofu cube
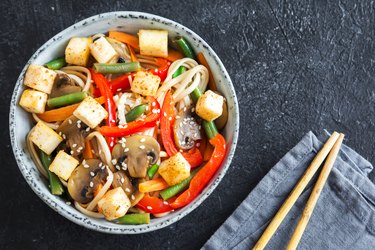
78,51
153,42
63,165
40,78
90,112
175,169
45,138
114,204
145,83
209,106
103,51
33,101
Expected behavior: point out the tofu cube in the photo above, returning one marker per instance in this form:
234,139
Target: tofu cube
209,106
103,51
145,83
63,165
114,204
90,112
45,138
175,169
40,78
78,51
153,42
33,101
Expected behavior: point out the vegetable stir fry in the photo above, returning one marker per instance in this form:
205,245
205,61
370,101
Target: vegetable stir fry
127,127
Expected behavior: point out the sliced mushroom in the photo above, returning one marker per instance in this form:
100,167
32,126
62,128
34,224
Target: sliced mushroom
64,85
186,130
75,132
86,179
139,153
129,185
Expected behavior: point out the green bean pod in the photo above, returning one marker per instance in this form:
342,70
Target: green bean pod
116,68
54,181
56,64
185,47
66,99
135,112
179,71
152,170
134,219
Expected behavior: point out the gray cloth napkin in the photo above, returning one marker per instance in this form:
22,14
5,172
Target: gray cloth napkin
344,217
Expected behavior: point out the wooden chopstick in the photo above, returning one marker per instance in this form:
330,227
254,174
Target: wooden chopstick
296,192
314,196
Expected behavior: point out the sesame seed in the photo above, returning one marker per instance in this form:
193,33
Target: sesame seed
124,164
64,136
93,151
165,114
70,121
100,164
86,166
103,167
198,145
153,104
118,167
123,145
180,125
114,161
170,118
178,117
80,148
149,207
142,147
122,180
79,121
119,89
60,133
113,120
92,173
133,197
78,125
71,152
127,190
91,184
165,203
181,150
100,151
68,203
126,150
87,129
192,109
142,140
184,109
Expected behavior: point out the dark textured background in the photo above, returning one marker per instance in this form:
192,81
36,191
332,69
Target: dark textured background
296,66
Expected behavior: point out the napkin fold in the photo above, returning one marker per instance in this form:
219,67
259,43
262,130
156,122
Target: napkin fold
344,217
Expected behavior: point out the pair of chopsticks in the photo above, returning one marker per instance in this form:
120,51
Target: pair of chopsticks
330,148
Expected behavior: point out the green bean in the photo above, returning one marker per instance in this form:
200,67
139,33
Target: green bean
55,64
185,47
135,112
54,181
134,219
152,170
109,68
179,71
66,99
178,188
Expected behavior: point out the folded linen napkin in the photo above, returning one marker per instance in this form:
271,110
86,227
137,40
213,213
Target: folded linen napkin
344,217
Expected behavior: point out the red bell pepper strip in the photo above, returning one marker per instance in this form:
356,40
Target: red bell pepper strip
162,70
193,156
136,126
110,105
153,205
201,179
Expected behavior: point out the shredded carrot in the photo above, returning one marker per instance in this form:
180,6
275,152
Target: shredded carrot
211,81
60,114
125,38
152,185
132,54
87,152
208,152
98,189
174,55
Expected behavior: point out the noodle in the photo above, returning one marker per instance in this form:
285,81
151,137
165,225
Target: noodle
51,125
35,156
104,147
87,212
81,69
102,191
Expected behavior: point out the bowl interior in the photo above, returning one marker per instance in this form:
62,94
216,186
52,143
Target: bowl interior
21,122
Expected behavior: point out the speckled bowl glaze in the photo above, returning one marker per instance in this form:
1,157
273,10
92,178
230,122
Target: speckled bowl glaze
20,122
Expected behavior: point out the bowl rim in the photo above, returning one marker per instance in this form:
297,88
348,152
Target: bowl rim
114,229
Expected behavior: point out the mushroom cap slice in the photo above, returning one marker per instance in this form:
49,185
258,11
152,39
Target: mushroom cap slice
139,152
63,85
129,185
86,179
186,131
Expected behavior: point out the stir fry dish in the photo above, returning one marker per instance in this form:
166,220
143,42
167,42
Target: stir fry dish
127,126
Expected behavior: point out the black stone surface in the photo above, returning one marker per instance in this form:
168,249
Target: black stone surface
296,66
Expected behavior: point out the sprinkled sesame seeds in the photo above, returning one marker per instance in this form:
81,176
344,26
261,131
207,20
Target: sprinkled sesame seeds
133,197
184,109
79,121
64,136
86,165
165,114
170,118
126,150
118,167
80,148
70,121
92,174
142,140
91,184
178,117
122,180
142,147
114,161
153,104
149,207
87,129
71,152
192,109
127,189
74,145
78,125
93,151
68,203
165,203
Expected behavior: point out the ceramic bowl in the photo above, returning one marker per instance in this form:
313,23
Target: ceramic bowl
20,122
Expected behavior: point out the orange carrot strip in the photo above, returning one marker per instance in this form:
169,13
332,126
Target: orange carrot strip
152,185
132,54
208,152
125,38
211,81
174,55
87,152
60,114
